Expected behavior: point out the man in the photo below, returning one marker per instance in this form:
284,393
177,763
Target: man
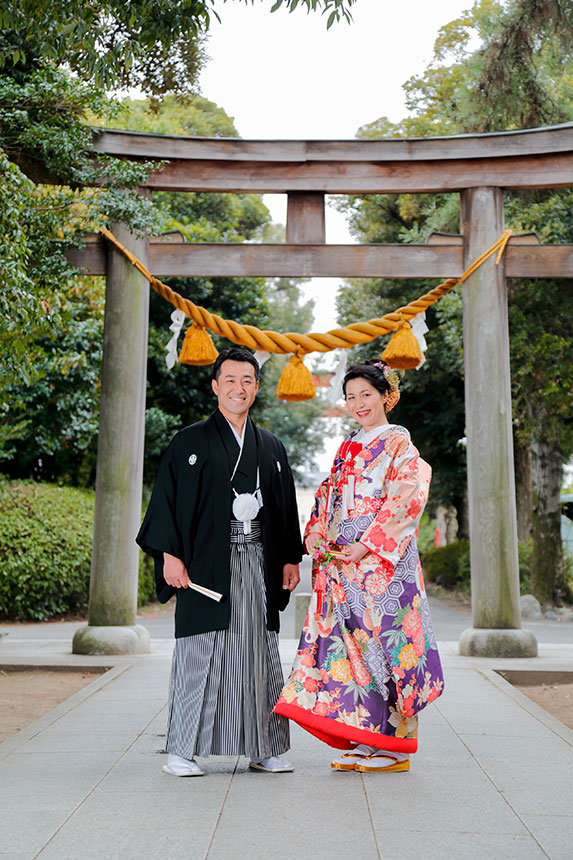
223,516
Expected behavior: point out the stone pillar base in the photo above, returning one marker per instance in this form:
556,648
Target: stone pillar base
484,642
111,640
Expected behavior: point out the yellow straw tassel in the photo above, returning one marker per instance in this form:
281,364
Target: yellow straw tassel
296,381
198,346
403,350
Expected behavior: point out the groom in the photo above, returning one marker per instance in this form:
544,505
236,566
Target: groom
223,515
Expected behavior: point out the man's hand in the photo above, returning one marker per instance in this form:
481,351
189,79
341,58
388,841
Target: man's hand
174,571
355,552
291,577
311,540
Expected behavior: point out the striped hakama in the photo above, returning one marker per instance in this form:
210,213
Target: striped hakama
225,683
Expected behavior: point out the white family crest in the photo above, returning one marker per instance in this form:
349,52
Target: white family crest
192,459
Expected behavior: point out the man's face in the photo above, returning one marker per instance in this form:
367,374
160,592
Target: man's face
236,387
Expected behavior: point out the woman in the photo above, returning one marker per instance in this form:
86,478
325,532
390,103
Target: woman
367,660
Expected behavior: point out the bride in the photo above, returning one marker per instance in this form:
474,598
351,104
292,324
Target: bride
367,661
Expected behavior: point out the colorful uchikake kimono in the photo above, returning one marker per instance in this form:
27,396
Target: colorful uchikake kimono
367,660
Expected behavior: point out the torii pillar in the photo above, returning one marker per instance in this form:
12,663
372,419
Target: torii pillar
491,482
111,625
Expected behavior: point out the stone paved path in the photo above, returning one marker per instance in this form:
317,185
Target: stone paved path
493,777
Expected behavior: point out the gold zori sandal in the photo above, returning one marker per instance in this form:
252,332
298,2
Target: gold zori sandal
348,763
368,765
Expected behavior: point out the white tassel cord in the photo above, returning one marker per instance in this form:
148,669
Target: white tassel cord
419,329
178,318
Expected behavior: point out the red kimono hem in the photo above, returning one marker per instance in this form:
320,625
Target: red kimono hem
341,736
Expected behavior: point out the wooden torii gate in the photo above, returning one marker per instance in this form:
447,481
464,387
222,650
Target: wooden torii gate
480,168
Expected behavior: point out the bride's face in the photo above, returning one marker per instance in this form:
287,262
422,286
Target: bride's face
365,403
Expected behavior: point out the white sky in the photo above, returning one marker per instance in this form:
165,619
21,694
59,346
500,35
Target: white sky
284,75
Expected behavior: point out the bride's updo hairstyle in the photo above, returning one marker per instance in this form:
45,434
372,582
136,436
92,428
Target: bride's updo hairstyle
380,376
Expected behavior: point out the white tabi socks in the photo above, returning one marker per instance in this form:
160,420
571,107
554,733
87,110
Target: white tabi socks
179,766
363,750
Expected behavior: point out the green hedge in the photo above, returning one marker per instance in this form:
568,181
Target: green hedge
45,549
449,566
146,584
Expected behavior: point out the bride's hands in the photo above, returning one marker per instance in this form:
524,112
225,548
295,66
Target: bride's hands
354,553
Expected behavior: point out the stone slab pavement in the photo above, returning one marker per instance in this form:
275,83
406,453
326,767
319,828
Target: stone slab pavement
493,776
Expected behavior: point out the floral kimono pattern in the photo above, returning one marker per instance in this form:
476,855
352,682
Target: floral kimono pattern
367,660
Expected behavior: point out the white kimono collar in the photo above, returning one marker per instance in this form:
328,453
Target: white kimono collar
365,438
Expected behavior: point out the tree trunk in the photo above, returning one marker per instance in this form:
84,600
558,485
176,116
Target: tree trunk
547,558
522,454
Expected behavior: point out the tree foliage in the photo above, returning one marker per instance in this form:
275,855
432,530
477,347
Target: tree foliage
54,421
336,10
516,84
519,75
42,134
154,45
195,116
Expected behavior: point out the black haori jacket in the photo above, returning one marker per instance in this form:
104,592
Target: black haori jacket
189,517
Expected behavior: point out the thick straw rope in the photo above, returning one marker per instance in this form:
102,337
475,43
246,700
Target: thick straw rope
338,338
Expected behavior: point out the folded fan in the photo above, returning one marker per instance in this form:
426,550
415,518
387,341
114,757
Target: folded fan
214,595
